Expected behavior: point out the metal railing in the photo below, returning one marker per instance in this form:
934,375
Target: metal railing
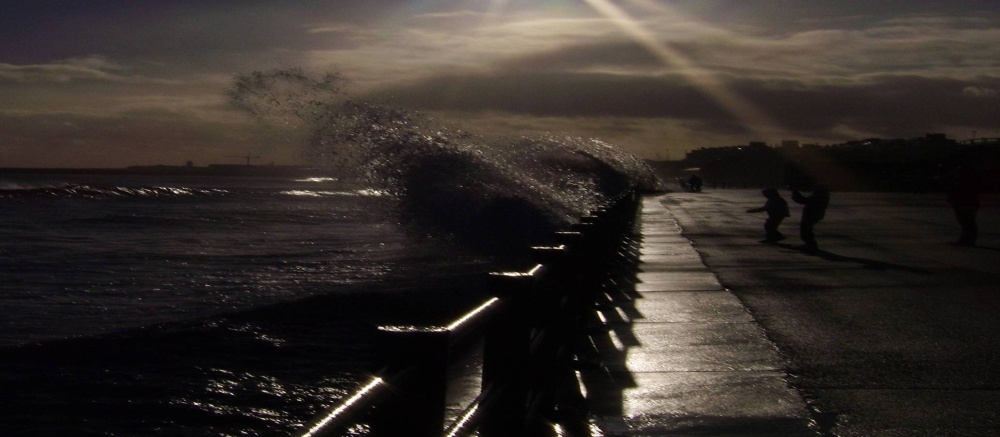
523,340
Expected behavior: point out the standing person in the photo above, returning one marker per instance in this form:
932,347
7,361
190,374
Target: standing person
777,209
963,196
813,211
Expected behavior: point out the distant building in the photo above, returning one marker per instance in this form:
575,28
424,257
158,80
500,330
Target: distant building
789,144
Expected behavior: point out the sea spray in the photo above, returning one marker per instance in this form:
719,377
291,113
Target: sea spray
495,194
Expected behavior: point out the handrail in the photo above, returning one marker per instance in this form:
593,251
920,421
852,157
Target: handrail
526,336
327,421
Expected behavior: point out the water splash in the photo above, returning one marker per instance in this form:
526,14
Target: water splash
493,193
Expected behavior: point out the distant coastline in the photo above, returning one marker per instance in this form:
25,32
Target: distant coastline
229,170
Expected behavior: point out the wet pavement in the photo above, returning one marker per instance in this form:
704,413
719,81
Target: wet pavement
683,356
887,331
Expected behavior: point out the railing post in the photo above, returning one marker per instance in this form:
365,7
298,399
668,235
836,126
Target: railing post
416,360
506,358
558,312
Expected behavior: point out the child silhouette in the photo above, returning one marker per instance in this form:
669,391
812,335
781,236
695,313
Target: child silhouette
777,209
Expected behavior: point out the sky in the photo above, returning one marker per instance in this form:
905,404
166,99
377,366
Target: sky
113,83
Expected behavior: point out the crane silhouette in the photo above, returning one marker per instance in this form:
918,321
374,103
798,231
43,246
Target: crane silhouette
247,157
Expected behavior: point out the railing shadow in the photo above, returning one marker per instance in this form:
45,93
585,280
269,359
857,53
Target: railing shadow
605,375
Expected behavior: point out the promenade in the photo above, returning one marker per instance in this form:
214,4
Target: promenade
888,330
683,357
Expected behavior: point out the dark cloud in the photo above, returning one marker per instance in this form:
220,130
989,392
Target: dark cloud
184,33
887,104
803,14
618,55
559,94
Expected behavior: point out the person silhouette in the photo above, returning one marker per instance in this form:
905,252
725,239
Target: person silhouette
777,209
814,210
694,183
963,196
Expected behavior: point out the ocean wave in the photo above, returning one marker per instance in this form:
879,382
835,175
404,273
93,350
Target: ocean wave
92,192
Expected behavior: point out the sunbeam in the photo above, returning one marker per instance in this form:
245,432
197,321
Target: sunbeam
751,117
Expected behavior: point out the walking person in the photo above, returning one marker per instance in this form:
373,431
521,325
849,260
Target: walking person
777,209
814,209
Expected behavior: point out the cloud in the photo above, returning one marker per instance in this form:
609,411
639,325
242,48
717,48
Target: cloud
449,17
562,94
624,57
93,68
890,105
831,55
894,77
821,69
932,47
416,50
886,105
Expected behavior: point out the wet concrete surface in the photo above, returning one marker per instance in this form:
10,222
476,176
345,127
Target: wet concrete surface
888,331
682,355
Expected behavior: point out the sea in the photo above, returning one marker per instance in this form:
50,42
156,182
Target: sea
195,305
139,305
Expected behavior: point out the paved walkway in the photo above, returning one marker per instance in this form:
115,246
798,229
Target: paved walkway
684,357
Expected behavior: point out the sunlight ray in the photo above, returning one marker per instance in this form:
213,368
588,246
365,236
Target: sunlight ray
752,117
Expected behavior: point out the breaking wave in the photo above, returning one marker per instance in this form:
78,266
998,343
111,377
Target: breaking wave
495,193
